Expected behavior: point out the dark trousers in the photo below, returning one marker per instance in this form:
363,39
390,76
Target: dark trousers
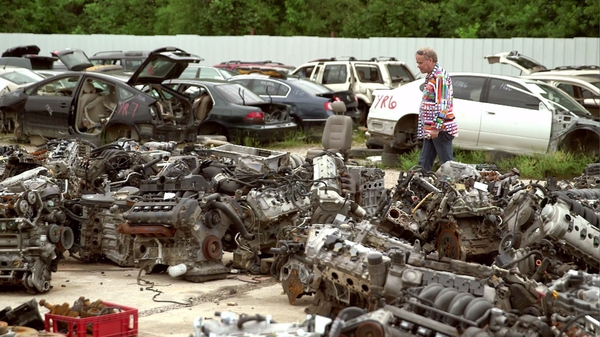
440,147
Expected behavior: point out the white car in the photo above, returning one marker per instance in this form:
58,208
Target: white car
18,77
493,112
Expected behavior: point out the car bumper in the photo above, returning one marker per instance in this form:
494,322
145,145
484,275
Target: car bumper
265,133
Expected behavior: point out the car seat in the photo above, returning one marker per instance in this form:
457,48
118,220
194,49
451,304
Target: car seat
203,106
337,134
361,75
94,112
88,94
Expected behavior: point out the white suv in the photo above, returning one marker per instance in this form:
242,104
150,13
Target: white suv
361,76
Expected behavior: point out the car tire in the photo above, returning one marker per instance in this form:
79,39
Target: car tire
390,156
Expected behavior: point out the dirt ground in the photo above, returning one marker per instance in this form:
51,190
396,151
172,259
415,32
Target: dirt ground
167,306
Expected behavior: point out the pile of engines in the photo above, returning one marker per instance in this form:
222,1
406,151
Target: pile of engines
459,252
163,208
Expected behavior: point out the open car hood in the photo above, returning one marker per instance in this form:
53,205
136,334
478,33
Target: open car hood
162,64
525,64
73,59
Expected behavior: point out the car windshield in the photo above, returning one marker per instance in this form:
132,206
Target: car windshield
238,94
22,76
313,87
558,96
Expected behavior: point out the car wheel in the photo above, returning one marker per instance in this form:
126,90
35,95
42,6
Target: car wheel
363,109
582,141
390,156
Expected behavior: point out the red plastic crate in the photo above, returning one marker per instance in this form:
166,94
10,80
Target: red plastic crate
120,324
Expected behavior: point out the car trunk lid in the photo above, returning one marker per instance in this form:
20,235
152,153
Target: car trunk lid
73,59
346,96
161,65
525,64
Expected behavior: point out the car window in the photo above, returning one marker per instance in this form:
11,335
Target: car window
368,74
335,74
585,93
399,73
192,91
64,86
305,72
236,93
21,76
569,88
125,93
266,87
243,82
468,88
189,72
313,87
132,65
562,99
501,93
209,73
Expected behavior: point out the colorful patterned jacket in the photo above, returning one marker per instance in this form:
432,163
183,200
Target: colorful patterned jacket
436,109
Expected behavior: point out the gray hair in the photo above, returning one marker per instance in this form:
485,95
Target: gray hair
429,53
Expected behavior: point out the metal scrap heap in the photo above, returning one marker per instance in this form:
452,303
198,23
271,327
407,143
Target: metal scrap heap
464,251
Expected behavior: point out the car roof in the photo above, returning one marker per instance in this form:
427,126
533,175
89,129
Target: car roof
209,82
566,78
266,63
104,76
120,54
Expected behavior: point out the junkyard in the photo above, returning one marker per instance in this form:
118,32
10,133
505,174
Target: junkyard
137,201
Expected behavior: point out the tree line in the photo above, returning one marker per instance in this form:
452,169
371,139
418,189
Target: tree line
340,18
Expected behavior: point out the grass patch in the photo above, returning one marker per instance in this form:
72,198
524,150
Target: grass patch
561,165
294,139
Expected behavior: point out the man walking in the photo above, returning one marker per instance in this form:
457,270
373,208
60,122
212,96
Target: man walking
437,127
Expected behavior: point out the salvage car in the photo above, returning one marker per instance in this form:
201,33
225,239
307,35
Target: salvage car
311,102
233,111
101,108
18,77
493,112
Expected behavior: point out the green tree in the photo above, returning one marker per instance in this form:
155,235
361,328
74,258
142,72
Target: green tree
134,17
400,18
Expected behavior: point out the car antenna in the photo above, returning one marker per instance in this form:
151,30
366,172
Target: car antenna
270,98
241,96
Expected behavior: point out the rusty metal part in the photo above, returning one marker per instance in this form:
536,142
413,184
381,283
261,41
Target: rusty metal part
3,327
61,310
212,247
148,231
293,286
369,329
448,244
66,238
